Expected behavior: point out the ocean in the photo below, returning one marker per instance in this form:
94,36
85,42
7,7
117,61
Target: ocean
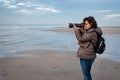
14,38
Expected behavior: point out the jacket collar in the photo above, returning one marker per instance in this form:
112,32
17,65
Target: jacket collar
90,30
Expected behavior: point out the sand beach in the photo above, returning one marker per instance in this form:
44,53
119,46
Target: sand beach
50,64
54,65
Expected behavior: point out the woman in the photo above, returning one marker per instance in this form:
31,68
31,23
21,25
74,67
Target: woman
86,50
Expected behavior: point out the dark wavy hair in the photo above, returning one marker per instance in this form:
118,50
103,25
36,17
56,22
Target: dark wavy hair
91,20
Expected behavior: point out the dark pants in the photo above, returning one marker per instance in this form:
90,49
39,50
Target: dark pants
86,65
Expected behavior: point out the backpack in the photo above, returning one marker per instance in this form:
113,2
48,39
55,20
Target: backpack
100,45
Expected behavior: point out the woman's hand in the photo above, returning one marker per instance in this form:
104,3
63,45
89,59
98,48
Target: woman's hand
74,27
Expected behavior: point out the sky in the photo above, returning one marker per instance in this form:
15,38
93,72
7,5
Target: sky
106,12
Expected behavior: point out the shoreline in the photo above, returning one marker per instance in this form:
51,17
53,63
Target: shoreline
54,65
109,30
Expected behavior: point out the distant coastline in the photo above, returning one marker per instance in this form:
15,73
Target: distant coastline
106,30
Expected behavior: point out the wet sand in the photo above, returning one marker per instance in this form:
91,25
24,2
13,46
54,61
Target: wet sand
54,65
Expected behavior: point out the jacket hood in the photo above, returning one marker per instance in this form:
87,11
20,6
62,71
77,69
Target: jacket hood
98,30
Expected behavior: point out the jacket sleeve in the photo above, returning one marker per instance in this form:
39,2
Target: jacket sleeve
85,37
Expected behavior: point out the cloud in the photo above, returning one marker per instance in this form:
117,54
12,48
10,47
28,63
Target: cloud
48,9
23,11
12,6
21,4
103,11
27,4
8,4
111,16
5,1
38,10
28,7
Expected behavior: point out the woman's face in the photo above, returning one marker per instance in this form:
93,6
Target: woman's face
87,25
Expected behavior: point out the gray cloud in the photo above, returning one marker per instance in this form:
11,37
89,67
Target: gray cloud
103,11
111,16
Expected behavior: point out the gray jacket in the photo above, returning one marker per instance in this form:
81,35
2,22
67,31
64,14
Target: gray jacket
86,49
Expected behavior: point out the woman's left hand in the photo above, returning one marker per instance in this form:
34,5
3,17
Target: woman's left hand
74,27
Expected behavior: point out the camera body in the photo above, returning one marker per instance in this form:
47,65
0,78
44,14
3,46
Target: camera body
81,25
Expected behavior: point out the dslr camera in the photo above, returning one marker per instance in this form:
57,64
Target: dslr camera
81,25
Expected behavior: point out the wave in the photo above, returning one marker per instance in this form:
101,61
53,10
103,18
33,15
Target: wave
47,42
10,42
